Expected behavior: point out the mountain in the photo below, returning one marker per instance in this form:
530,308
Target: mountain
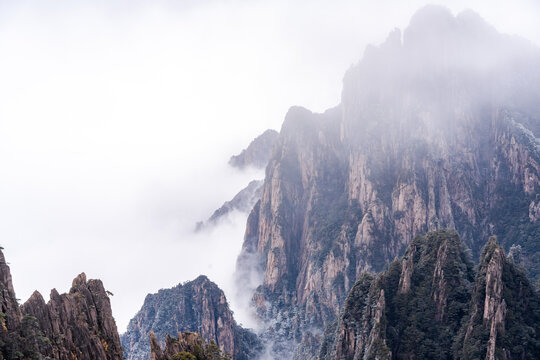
243,202
195,306
188,346
437,128
430,305
504,318
257,153
75,325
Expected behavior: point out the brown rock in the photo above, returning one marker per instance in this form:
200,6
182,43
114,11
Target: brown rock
74,325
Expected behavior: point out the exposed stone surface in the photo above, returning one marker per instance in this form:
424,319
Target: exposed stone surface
77,325
407,268
424,138
11,316
500,289
380,321
188,345
257,153
196,306
534,210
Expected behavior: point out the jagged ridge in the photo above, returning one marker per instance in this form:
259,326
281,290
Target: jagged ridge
195,306
258,151
429,305
424,138
75,325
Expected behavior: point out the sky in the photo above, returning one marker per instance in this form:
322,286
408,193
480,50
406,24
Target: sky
117,119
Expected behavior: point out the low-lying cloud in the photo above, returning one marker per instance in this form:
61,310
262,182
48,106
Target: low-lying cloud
117,120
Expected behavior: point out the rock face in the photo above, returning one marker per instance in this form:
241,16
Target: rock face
257,153
188,346
196,306
443,314
77,325
505,312
10,316
243,202
435,130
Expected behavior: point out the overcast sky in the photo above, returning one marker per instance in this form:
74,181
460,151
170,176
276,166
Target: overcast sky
117,119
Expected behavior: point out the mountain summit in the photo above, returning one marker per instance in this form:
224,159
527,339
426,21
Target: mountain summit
422,307
437,128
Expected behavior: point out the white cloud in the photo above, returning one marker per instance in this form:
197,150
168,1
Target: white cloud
117,119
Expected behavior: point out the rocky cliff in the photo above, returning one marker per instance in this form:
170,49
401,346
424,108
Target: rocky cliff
504,314
196,306
429,305
77,325
188,346
257,153
10,315
437,128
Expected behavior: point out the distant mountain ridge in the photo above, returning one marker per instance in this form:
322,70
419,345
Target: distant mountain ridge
243,202
257,153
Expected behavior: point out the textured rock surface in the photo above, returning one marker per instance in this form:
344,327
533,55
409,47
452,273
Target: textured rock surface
77,325
443,314
196,306
257,153
438,130
504,320
188,345
10,316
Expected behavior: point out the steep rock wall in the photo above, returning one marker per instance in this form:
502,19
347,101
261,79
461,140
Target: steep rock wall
423,139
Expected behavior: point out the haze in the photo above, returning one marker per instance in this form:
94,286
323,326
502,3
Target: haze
117,120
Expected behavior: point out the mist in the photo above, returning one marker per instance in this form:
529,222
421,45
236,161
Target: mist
117,120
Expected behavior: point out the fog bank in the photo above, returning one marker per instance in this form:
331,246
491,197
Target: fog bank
117,120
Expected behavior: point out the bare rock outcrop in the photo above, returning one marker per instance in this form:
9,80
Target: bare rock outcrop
195,306
534,210
188,345
444,314
504,315
76,325
10,316
421,141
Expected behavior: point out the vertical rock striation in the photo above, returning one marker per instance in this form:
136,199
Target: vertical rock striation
77,325
437,128
505,312
451,319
